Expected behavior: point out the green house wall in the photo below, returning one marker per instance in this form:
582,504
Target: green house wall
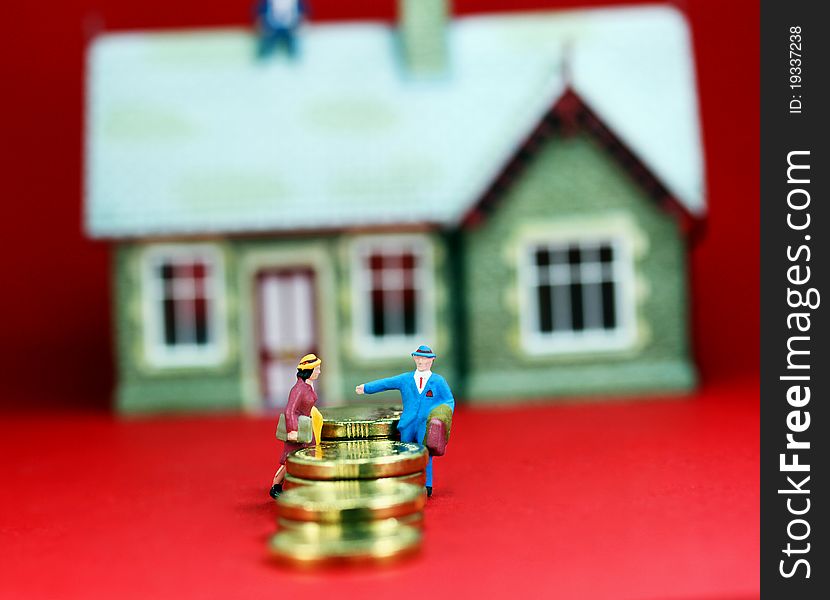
234,383
572,186
143,387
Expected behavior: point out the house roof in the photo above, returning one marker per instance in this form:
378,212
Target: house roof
188,134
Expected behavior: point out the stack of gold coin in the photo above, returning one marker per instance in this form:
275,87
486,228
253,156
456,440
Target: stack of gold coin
348,521
361,422
356,496
357,459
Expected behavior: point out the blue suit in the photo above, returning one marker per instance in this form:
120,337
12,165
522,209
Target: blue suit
416,406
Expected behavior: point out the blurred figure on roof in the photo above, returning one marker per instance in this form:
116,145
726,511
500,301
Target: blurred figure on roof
277,25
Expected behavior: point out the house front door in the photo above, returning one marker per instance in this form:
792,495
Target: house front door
286,328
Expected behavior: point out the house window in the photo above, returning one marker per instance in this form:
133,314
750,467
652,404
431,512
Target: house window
182,305
579,295
392,290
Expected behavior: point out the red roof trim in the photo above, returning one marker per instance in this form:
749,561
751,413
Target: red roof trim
569,115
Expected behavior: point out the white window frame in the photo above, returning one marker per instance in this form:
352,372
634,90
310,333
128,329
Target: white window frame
157,352
623,336
392,346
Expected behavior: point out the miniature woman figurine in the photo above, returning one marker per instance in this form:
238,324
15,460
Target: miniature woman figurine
301,401
428,405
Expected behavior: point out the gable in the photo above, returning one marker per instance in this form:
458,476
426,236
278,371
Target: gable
570,177
569,117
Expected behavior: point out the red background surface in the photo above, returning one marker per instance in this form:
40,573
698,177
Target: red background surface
643,499
653,500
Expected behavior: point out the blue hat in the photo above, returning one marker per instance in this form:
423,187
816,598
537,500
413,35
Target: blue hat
424,351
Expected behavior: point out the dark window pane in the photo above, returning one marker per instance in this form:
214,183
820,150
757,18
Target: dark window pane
166,271
545,309
377,313
560,307
606,253
592,294
393,312
169,310
200,321
577,316
409,325
542,257
376,262
408,261
559,257
590,254
573,255
609,315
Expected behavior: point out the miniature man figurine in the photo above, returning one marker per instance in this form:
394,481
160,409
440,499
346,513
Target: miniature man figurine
427,405
301,401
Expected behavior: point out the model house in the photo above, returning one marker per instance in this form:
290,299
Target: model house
516,190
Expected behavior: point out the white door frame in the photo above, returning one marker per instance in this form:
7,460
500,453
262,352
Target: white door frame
310,255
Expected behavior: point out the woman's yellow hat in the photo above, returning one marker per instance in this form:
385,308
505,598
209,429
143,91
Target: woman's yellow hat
309,361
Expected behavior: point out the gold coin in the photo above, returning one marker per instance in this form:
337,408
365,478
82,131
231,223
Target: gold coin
357,459
358,543
360,422
419,478
310,528
349,501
